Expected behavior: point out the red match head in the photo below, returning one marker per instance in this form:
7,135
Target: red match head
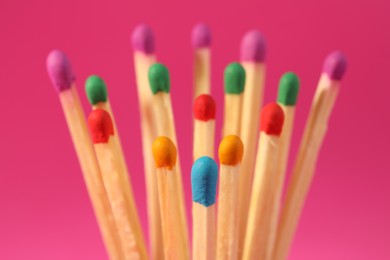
204,108
100,126
271,120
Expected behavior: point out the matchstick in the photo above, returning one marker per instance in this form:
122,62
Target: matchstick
201,41
102,129
287,98
333,71
173,219
204,126
230,154
62,78
96,91
264,184
164,120
234,81
144,56
204,178
252,56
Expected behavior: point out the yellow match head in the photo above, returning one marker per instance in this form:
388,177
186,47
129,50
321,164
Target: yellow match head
164,152
231,150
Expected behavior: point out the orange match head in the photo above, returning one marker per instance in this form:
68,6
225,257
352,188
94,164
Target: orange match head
164,152
231,150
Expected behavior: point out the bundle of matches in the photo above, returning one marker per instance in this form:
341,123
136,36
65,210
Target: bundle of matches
247,219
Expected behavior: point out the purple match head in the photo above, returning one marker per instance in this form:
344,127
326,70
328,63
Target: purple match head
143,39
253,47
201,36
335,65
59,70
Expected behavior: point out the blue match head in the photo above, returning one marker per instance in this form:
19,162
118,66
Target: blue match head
204,177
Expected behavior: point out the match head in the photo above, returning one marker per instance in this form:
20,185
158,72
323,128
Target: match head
234,78
271,120
143,39
159,78
59,70
201,36
288,89
253,47
164,152
335,65
100,126
204,108
230,150
96,90
204,178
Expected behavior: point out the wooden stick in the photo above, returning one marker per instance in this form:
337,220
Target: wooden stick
287,96
252,60
264,184
201,40
173,220
303,171
96,90
204,126
164,121
230,155
204,178
144,57
62,77
102,128
234,78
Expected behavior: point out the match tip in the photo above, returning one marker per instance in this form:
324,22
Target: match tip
204,177
272,118
335,65
230,150
204,107
288,89
143,39
164,152
201,36
253,47
100,126
59,70
159,78
234,78
96,90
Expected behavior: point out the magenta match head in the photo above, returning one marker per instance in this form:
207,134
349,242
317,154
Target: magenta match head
335,65
253,47
201,36
59,70
143,39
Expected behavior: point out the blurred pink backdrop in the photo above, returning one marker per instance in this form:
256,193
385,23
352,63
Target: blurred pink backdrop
45,211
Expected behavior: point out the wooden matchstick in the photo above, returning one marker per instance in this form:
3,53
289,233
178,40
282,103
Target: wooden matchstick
173,219
62,77
230,154
204,178
126,218
287,97
144,56
252,58
264,184
334,68
96,91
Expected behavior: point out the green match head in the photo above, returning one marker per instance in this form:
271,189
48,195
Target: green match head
159,78
288,89
96,90
234,78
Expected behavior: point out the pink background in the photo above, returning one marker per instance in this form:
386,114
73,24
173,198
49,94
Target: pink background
45,211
